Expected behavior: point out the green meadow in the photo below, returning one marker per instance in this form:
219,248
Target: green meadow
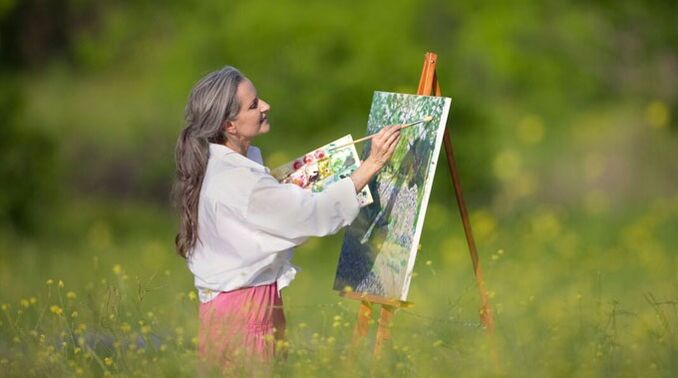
563,122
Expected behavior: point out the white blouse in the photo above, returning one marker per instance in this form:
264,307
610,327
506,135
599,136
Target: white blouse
248,222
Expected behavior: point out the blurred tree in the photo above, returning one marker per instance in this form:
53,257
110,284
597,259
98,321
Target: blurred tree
29,32
33,32
27,169
110,79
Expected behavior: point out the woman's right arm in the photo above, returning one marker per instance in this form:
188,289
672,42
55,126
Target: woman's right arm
383,145
287,214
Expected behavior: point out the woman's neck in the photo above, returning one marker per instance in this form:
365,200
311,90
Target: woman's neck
239,146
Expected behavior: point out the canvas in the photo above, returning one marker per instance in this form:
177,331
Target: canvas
322,167
379,249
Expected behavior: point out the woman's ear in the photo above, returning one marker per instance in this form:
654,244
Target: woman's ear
229,128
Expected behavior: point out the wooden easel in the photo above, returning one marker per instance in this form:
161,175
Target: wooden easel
428,86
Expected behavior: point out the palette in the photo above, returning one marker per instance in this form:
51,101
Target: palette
322,167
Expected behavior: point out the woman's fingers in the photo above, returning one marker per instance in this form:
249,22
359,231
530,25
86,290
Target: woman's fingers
384,143
388,130
385,133
393,141
392,137
378,137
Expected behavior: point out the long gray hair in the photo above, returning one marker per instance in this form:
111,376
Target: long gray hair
212,102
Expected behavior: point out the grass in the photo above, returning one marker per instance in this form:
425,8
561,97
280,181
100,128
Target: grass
118,301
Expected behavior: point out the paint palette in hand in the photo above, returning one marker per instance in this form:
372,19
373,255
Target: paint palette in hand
322,167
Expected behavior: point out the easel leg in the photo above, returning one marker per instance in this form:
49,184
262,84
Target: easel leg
384,330
363,324
485,310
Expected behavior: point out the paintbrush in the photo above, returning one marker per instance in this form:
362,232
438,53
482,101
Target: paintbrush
423,120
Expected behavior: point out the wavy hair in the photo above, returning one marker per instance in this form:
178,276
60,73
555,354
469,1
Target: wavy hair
212,102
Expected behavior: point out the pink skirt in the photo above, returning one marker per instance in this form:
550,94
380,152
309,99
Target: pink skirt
239,328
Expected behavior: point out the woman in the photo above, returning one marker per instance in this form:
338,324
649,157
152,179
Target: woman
239,225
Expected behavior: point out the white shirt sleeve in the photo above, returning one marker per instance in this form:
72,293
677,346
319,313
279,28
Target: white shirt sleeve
291,214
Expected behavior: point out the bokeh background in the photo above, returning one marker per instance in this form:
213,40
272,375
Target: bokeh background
564,126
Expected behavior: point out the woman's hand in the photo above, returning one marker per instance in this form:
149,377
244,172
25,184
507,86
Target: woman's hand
383,145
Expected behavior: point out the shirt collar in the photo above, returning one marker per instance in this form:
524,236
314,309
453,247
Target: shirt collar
224,153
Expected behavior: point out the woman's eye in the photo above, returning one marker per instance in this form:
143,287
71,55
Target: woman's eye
254,104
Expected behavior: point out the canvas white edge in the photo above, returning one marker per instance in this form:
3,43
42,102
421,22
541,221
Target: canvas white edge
427,192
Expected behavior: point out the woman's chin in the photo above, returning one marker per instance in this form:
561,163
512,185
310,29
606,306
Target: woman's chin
265,128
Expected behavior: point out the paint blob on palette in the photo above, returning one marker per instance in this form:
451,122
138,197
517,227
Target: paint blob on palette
322,167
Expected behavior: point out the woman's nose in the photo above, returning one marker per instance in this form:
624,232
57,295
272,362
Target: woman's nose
265,106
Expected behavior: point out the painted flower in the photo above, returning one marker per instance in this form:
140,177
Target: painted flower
297,164
308,159
320,154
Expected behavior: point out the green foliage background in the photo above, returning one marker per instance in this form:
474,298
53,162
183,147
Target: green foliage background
564,128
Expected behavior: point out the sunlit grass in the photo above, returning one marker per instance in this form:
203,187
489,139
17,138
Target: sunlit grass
122,304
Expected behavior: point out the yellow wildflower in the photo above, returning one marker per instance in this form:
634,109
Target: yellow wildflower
658,114
108,361
56,310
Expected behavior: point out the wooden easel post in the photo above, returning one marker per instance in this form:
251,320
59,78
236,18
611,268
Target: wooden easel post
367,302
428,85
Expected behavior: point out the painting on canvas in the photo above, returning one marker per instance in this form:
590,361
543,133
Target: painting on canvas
380,246
322,167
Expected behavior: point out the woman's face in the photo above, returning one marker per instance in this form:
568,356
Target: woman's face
252,118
